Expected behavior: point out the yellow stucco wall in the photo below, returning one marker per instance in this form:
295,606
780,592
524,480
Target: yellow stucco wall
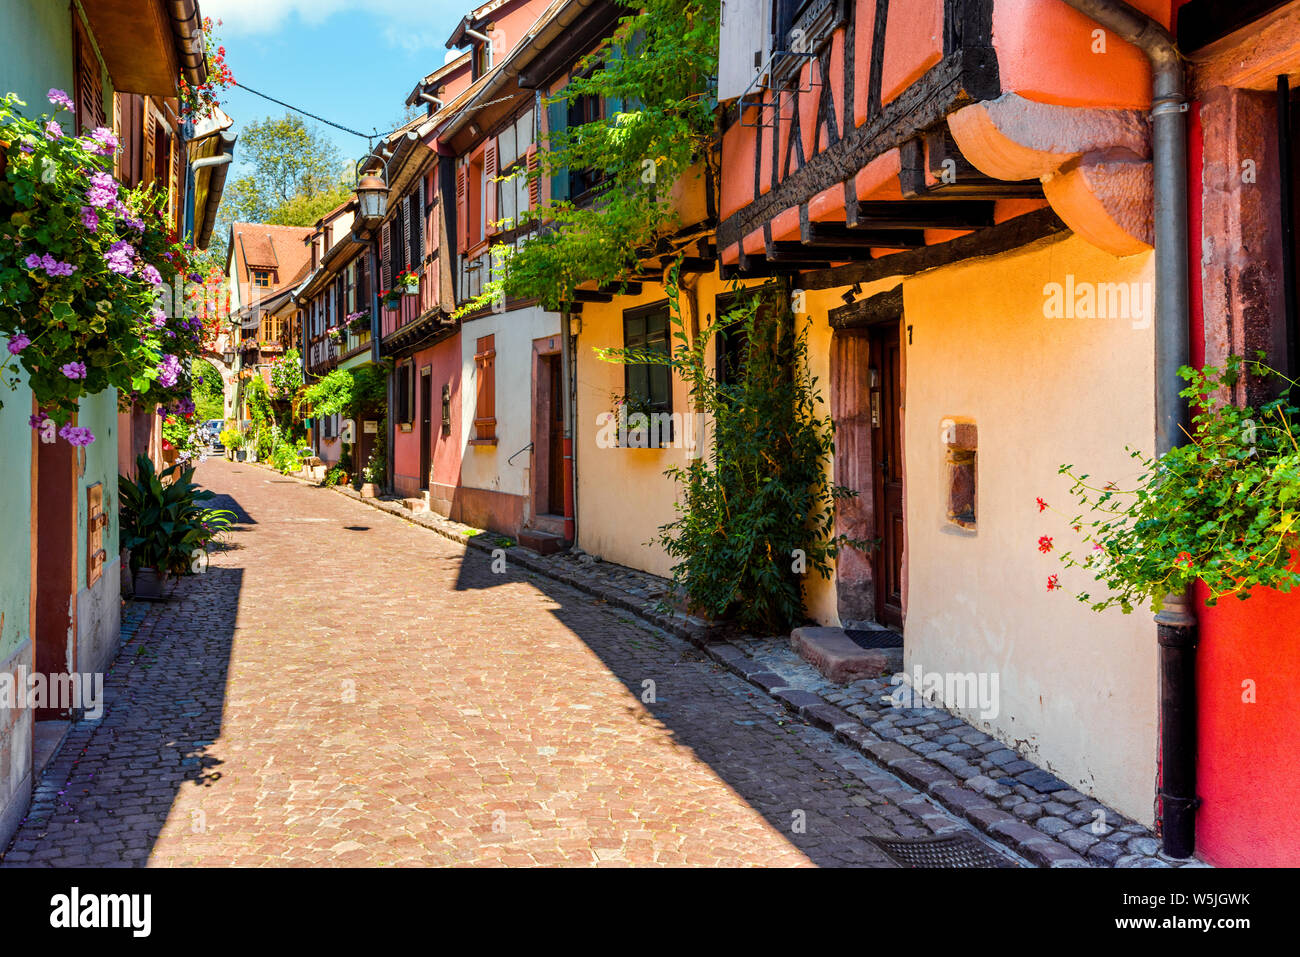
1042,392
1078,689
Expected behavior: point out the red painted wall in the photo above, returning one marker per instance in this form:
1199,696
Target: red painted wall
1247,776
444,358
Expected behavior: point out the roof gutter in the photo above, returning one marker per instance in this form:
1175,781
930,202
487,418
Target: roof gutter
220,164
523,54
1176,620
187,29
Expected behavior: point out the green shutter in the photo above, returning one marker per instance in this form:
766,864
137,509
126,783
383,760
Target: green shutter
557,118
614,104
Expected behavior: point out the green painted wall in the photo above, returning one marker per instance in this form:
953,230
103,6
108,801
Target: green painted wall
15,516
35,55
35,49
99,414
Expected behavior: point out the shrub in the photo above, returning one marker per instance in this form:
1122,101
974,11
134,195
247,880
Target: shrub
163,524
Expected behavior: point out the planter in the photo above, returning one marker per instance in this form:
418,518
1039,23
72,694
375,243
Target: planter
241,456
411,290
392,305
148,585
369,490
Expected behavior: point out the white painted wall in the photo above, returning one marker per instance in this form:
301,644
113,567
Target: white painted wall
484,466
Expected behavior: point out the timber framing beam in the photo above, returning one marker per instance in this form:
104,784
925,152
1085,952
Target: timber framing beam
882,307
1004,237
932,214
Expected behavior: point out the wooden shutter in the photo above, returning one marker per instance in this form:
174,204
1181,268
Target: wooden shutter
89,80
490,187
485,415
150,158
557,119
363,284
386,264
462,207
534,181
417,227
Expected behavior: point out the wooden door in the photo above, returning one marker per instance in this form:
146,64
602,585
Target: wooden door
555,439
887,456
426,426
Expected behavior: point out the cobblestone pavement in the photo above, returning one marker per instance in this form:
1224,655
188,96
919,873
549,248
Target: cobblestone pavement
342,688
1011,799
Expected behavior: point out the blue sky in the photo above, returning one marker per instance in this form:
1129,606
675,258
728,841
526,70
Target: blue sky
350,61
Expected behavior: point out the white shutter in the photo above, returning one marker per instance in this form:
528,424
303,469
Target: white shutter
744,44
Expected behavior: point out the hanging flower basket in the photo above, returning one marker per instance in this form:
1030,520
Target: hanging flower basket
408,282
392,299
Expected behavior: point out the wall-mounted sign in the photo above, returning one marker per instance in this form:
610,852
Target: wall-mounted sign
370,427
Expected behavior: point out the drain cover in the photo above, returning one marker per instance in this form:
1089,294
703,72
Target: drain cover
955,851
873,638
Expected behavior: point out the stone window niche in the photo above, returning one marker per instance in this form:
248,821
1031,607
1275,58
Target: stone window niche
960,442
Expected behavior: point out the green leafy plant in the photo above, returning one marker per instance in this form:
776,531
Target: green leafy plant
758,509
163,525
284,458
286,374
232,438
1222,509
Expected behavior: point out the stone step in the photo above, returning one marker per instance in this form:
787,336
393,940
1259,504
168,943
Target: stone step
838,657
416,504
544,543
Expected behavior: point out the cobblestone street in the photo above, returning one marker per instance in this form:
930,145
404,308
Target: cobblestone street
289,709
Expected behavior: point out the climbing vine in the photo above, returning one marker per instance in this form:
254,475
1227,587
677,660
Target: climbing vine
757,514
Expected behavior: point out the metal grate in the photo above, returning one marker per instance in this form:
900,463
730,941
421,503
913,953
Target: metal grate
875,638
954,851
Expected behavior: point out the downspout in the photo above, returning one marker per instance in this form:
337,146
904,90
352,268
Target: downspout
1176,620
570,412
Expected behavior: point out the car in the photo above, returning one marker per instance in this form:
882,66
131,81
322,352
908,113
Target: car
210,429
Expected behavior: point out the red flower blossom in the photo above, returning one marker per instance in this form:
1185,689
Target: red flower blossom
1045,544
1053,583
1183,558
1042,506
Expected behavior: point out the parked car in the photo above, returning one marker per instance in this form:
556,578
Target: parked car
210,430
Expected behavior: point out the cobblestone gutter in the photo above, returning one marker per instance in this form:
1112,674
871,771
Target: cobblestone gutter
1014,802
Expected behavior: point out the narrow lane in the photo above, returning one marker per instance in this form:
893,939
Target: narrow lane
344,688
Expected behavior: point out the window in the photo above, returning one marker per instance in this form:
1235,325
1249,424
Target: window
583,110
647,389
485,412
729,343
961,441
515,158
262,277
404,392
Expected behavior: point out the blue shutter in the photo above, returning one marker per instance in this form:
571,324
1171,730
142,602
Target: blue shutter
557,118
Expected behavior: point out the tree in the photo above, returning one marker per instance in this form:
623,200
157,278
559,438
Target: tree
296,175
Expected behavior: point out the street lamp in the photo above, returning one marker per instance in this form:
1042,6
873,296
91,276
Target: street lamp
372,195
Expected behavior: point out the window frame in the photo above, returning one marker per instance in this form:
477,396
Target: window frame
653,406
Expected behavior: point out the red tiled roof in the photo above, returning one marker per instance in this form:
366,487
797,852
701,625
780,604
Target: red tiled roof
284,249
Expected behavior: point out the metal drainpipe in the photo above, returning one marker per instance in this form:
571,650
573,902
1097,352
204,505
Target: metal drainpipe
1176,621
570,450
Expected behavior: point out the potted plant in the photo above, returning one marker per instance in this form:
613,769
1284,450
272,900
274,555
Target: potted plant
232,440
408,281
392,299
359,322
165,529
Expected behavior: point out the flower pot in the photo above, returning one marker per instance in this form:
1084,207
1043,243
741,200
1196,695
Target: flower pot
392,305
411,291
148,585
241,456
368,490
